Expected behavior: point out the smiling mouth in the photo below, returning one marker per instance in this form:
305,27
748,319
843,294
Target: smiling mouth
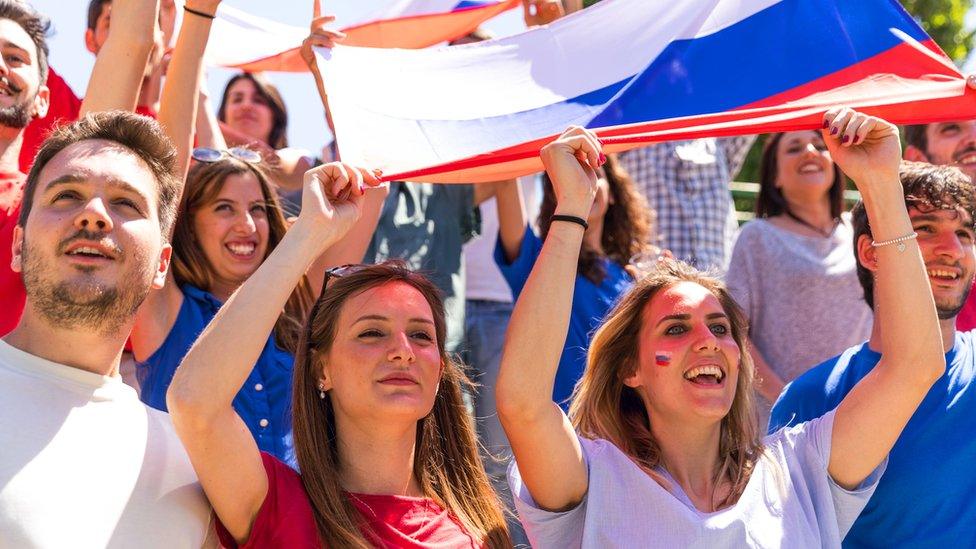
705,375
810,168
243,251
944,275
967,158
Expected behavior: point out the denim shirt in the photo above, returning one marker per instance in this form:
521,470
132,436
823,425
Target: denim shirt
264,402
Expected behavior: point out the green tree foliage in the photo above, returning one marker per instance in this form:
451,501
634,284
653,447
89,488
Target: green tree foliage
944,20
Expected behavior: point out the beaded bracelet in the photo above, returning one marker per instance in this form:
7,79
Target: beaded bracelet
900,241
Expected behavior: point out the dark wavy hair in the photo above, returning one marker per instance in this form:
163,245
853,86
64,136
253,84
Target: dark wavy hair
770,201
278,138
628,225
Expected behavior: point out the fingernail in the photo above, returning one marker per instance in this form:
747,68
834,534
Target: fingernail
856,137
826,124
845,139
833,131
603,158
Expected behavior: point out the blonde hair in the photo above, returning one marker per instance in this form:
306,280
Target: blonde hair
191,266
604,407
447,464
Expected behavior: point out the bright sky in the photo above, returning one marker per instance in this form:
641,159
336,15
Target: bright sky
306,126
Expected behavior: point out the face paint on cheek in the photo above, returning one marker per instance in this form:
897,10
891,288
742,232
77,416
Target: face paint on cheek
662,358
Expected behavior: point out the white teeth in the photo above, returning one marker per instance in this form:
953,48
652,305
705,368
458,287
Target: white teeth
939,273
86,250
810,168
705,371
241,249
969,158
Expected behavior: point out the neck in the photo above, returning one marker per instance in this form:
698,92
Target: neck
222,289
690,454
11,140
814,212
92,351
947,327
593,237
377,457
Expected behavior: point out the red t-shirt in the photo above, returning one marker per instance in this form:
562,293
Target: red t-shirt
966,320
12,294
286,520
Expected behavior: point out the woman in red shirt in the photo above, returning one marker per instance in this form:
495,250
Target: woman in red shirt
386,448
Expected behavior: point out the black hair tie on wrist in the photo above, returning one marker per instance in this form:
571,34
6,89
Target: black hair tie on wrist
571,219
199,13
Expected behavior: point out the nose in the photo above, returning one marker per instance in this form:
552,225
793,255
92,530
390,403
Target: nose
949,246
401,350
246,223
706,342
94,217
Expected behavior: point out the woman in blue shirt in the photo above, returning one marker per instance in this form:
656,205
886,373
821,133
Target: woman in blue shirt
619,229
229,221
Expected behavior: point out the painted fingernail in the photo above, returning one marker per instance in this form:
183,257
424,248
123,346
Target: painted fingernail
845,139
826,124
833,131
603,158
856,138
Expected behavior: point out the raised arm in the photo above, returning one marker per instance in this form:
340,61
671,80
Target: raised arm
543,441
222,450
121,63
871,417
181,94
511,217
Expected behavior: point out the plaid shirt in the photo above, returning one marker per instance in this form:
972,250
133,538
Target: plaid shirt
687,184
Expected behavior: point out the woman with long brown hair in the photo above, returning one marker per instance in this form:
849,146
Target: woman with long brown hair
228,222
661,444
386,449
619,228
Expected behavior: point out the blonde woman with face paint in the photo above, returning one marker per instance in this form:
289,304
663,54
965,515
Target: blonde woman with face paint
661,445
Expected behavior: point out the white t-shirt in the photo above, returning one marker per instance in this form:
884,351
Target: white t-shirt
790,501
83,463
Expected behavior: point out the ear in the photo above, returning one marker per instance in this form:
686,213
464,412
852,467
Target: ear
325,381
90,41
17,250
162,268
867,255
42,101
632,380
915,154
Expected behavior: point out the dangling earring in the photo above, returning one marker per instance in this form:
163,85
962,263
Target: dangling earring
321,391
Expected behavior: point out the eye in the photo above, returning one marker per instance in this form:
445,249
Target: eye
259,209
370,333
676,329
423,335
125,202
719,329
223,207
965,235
13,59
949,129
65,195
928,229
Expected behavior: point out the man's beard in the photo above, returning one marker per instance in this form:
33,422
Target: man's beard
17,115
89,305
950,311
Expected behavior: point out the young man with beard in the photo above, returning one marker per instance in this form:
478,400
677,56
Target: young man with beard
24,96
954,144
84,462
925,497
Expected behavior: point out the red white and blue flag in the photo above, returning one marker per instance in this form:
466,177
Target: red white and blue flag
239,39
636,71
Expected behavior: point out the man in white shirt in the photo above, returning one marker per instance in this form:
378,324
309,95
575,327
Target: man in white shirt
84,463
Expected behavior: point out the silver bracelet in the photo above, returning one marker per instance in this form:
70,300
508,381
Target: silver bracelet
900,241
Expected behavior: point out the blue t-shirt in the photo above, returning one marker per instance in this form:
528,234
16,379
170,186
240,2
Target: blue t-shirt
926,497
264,402
591,303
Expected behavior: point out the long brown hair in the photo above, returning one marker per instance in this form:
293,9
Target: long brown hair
447,464
771,201
191,266
604,407
278,138
628,224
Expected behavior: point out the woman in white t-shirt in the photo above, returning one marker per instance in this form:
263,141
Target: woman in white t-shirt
663,448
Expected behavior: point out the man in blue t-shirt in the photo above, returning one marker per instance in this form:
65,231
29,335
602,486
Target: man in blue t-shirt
925,498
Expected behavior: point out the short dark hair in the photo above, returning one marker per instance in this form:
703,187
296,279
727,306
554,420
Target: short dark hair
34,24
95,11
139,134
770,201
915,136
927,187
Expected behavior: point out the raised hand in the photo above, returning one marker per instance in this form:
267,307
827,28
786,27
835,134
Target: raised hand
866,148
319,34
571,162
332,198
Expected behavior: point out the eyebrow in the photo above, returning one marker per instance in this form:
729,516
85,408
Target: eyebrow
709,316
8,44
381,317
71,179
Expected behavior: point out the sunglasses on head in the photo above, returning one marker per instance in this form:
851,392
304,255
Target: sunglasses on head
334,272
205,154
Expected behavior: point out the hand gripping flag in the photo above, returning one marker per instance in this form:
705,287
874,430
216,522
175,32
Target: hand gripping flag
241,40
635,71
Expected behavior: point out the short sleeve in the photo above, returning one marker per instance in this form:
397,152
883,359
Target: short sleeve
517,272
284,517
808,444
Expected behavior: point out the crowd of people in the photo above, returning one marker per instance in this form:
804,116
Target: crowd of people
210,338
